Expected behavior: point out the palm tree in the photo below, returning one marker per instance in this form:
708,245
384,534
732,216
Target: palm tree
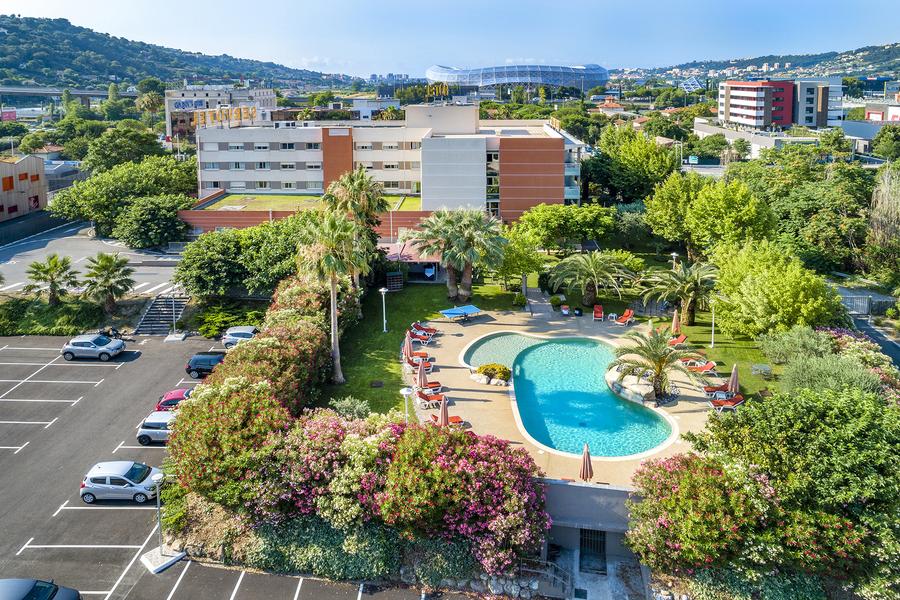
108,278
434,238
150,102
55,271
330,250
691,285
591,272
652,356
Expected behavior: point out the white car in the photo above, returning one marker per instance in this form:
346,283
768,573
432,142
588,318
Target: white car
235,335
119,480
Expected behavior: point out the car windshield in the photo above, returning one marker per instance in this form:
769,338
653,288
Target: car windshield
137,473
42,590
101,340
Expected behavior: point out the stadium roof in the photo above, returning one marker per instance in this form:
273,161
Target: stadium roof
574,76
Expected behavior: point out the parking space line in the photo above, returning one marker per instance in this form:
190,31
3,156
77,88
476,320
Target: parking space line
65,506
359,594
188,381
133,558
140,285
61,506
39,400
55,358
21,381
178,581
16,449
99,382
81,546
24,546
237,585
45,423
156,287
299,585
28,348
93,593
63,364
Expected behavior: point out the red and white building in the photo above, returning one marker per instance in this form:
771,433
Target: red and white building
757,104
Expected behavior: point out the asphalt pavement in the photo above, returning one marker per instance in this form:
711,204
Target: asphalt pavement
153,271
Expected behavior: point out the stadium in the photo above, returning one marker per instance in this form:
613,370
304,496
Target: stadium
579,76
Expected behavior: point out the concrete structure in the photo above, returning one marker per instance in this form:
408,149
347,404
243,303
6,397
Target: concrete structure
50,92
758,139
756,104
883,111
23,187
181,103
580,76
443,152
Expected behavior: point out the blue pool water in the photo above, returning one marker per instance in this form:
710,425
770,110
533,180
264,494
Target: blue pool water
563,398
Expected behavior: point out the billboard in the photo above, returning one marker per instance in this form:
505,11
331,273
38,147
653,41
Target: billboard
8,114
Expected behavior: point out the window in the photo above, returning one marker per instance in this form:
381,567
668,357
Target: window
98,480
288,166
592,557
389,166
313,146
240,185
210,166
364,146
809,100
262,166
287,146
809,110
391,185
238,166
287,185
390,146
118,482
415,145
262,185
210,146
314,185
810,91
260,146
314,166
235,146
415,165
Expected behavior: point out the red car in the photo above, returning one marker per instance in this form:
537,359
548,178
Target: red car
170,400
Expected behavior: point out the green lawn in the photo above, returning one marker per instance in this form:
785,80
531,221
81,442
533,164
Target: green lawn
279,202
368,355
409,203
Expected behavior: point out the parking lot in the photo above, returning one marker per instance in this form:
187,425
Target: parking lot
59,418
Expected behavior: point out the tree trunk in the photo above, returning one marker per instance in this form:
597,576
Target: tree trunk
337,375
465,286
590,295
692,254
688,312
52,296
110,304
452,286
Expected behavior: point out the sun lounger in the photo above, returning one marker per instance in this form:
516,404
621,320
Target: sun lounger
430,397
721,405
422,339
454,419
706,368
598,312
678,340
413,363
565,310
433,387
626,318
422,330
712,390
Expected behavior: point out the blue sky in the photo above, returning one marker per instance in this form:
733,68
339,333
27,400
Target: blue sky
405,36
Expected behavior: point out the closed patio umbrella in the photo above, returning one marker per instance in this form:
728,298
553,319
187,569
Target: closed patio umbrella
733,385
407,346
676,323
444,418
587,470
421,376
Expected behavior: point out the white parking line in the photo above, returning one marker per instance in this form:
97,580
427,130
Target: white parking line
156,287
64,364
133,558
140,285
55,358
24,348
296,593
65,506
178,581
237,585
24,546
16,449
21,381
122,446
11,286
72,402
82,592
359,594
44,423
188,382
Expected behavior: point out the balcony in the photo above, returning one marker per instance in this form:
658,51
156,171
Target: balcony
572,192
571,169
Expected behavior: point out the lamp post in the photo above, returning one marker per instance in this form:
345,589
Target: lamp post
157,478
674,256
384,292
406,393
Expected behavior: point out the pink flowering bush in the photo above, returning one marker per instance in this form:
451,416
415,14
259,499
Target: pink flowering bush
860,348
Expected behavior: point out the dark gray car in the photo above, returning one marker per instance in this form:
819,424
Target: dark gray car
35,589
92,345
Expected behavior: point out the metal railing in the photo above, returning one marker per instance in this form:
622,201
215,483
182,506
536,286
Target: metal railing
550,573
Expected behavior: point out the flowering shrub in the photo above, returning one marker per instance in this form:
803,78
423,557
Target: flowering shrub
861,349
310,297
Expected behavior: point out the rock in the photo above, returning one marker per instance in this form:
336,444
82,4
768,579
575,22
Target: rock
479,378
498,382
176,544
512,589
525,594
477,586
494,586
483,576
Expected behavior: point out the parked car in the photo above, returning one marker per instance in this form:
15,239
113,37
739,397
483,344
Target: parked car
203,363
235,335
35,589
119,480
92,345
155,427
171,400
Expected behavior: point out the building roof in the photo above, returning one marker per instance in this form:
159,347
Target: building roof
48,149
406,252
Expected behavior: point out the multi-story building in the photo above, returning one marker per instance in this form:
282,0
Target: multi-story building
180,104
442,152
23,187
756,104
818,102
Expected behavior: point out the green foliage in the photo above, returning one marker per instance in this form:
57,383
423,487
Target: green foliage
211,265
215,317
435,560
520,255
635,163
519,299
631,228
668,207
592,272
692,286
562,226
765,290
828,372
56,272
727,584
174,500
311,545
555,301
726,212
631,262
120,145
798,341
350,407
103,197
269,251
495,371
887,142
152,221
650,355
107,278
72,316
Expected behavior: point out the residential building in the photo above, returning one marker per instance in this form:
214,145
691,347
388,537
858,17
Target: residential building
23,187
442,152
181,103
759,140
762,104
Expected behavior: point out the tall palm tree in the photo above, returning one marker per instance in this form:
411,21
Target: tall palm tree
330,250
56,272
591,272
434,237
477,240
691,286
651,355
108,278
150,102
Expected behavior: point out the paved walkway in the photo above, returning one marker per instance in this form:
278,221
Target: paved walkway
488,410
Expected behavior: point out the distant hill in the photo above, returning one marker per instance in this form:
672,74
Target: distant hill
55,52
868,61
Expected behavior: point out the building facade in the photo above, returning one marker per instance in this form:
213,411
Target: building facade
579,76
780,103
180,105
23,187
442,152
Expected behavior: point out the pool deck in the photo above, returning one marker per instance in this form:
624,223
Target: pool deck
489,409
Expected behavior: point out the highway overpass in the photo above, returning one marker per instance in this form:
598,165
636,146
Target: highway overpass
51,92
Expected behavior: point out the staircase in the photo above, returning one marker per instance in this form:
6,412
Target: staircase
554,581
161,314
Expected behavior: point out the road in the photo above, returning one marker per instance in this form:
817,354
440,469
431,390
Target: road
153,272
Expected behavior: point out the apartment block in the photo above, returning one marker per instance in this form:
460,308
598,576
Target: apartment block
443,153
23,187
756,104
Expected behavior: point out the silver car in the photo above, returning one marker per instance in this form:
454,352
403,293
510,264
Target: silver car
119,480
155,427
235,335
92,345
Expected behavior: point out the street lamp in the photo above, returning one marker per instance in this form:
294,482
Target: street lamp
157,478
406,393
674,256
712,339
384,292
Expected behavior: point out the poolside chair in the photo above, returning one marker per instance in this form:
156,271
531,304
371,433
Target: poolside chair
678,340
422,330
413,362
430,398
723,404
433,387
454,419
712,390
626,318
422,339
598,312
709,367
565,310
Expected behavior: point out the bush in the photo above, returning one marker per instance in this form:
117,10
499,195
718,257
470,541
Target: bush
310,297
633,263
891,313
797,341
26,316
714,584
555,301
214,318
519,299
545,283
495,371
152,221
350,407
832,372
435,560
211,265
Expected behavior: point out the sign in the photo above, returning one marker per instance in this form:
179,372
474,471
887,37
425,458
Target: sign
226,116
8,114
693,160
188,104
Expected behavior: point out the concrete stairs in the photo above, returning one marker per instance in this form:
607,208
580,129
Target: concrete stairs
161,314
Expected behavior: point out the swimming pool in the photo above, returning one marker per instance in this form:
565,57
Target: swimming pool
562,398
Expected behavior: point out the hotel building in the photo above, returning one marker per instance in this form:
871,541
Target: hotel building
778,104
